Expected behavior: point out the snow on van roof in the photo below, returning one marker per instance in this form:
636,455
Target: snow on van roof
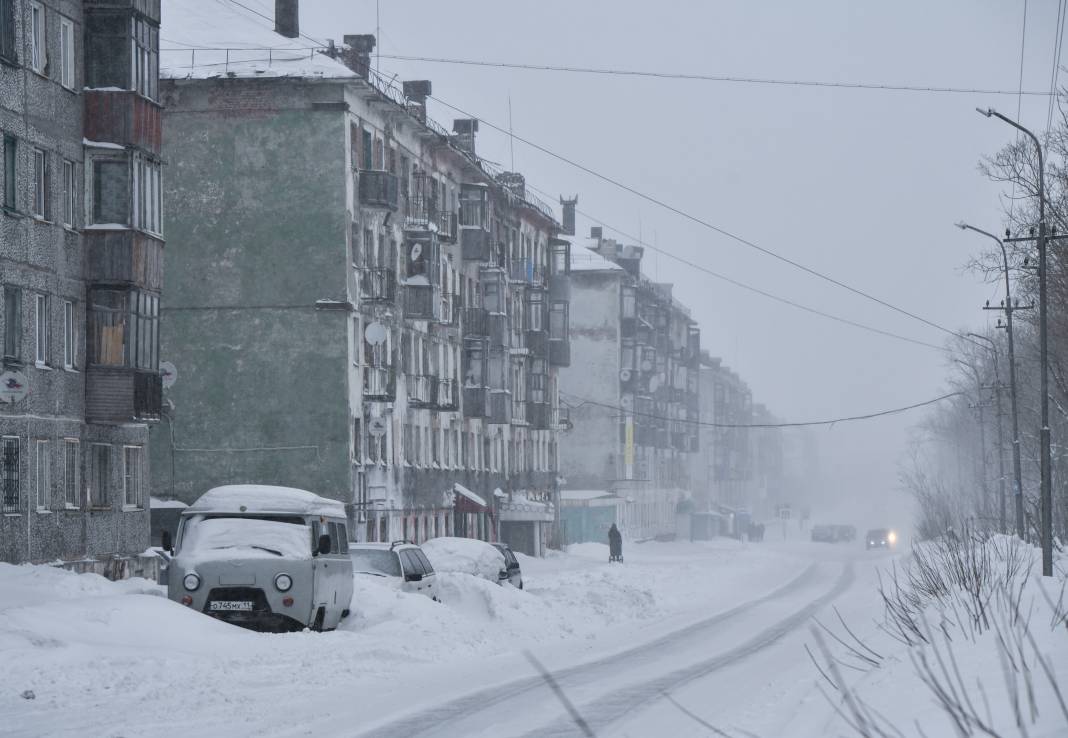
212,38
264,498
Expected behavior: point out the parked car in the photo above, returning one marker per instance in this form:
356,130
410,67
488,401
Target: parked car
472,556
822,534
400,560
845,533
511,573
263,557
880,538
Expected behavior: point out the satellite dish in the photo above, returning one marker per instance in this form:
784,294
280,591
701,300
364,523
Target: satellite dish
168,374
627,402
376,427
13,387
624,375
654,382
416,252
375,333
647,366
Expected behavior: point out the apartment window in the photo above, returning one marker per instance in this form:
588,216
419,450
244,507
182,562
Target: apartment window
71,472
145,58
70,193
131,476
66,53
40,183
10,485
38,49
147,209
10,155
44,478
12,322
43,330
100,475
69,335
111,191
7,29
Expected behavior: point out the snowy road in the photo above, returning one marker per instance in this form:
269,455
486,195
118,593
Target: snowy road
608,689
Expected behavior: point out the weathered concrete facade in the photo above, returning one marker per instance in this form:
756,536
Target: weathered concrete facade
77,322
357,306
633,387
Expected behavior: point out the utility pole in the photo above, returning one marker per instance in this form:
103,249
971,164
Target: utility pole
1009,308
979,405
1045,459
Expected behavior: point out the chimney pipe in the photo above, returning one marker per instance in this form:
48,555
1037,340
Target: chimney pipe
357,54
416,92
465,130
287,18
595,232
569,214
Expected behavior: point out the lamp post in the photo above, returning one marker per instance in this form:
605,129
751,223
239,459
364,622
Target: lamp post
1044,434
1017,466
997,387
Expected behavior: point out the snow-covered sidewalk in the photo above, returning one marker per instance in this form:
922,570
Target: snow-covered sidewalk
86,656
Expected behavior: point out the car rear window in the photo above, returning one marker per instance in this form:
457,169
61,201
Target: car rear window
375,560
424,561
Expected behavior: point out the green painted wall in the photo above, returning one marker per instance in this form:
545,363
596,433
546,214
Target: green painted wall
255,210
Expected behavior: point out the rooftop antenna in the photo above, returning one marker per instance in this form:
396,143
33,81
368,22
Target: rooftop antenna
378,39
511,137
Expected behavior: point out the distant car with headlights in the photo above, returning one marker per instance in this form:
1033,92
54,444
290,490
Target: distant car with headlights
402,561
823,533
880,538
263,557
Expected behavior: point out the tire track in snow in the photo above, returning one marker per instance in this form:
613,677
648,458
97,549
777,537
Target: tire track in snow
436,719
604,711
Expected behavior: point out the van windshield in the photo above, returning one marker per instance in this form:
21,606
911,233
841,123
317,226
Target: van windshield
375,561
247,536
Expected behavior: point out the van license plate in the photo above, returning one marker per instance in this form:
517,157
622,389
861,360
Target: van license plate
231,606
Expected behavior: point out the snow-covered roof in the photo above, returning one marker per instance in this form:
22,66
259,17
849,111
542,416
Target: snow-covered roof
585,260
262,498
200,39
583,494
464,491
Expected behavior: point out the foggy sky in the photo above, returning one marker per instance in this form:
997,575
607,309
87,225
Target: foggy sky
864,185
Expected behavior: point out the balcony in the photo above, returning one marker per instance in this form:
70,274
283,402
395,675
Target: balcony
560,352
521,270
378,189
123,117
447,227
475,321
445,397
560,287
500,407
561,419
476,244
122,395
538,342
451,309
540,415
124,257
476,402
378,284
420,389
421,302
500,332
378,383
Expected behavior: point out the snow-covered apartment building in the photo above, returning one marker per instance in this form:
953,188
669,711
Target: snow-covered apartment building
357,304
81,271
633,393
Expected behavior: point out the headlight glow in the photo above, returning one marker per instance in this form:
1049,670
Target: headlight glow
191,582
892,537
283,582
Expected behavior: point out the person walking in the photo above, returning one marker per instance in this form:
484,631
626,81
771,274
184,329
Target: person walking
615,544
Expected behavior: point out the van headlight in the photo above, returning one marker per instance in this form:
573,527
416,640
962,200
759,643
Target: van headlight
283,582
191,582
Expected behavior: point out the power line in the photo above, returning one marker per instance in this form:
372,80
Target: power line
748,287
708,225
1058,45
714,77
833,421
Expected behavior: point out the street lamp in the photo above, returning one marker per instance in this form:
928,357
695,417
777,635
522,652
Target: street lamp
1017,466
1044,435
997,387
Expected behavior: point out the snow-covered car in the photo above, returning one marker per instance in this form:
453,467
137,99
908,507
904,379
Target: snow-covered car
514,573
403,561
269,558
823,534
468,556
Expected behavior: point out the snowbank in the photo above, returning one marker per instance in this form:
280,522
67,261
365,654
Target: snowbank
464,555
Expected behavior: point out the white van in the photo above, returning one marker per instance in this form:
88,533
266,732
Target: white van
269,558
